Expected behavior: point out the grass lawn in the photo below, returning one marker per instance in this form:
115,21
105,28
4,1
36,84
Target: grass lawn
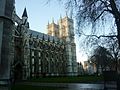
79,79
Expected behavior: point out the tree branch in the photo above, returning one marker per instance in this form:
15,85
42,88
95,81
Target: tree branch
99,36
99,15
106,4
102,13
85,7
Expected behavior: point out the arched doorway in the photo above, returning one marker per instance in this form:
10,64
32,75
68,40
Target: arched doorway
18,72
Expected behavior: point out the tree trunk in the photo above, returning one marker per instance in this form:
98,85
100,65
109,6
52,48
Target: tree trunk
116,15
117,21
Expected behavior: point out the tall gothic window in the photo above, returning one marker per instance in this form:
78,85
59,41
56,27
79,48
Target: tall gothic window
33,61
32,53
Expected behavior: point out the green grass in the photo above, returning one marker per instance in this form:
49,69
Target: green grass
79,79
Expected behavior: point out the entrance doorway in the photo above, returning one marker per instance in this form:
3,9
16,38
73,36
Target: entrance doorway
18,72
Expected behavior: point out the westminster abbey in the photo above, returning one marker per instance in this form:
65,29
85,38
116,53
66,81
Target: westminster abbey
25,53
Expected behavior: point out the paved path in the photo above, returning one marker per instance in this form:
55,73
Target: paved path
65,86
74,86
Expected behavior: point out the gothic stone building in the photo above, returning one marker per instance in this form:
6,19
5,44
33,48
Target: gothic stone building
26,53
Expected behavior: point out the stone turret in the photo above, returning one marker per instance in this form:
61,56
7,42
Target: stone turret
24,17
53,29
25,41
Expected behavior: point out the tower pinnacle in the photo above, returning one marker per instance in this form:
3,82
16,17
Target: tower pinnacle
52,20
25,13
66,14
60,16
48,22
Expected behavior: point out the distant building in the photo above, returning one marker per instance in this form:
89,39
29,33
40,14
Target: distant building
89,68
80,68
26,53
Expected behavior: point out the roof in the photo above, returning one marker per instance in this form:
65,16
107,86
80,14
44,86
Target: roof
46,36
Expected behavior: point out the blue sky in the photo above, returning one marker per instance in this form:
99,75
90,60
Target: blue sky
39,13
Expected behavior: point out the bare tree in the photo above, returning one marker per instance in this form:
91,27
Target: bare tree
102,58
113,47
94,12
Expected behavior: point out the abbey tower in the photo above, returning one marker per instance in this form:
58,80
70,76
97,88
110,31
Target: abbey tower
65,31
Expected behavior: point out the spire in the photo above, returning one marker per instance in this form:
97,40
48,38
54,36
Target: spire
48,39
52,20
25,13
43,37
71,13
48,22
66,14
60,17
53,40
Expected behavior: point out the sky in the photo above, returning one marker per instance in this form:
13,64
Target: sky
40,13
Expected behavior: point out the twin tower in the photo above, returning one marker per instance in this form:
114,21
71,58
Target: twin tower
64,30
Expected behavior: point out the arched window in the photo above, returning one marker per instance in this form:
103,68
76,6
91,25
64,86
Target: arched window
33,61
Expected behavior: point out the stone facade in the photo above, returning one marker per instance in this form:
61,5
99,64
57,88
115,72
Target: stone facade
6,40
33,54
64,30
89,68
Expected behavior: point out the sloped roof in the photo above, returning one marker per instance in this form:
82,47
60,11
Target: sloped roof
40,36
